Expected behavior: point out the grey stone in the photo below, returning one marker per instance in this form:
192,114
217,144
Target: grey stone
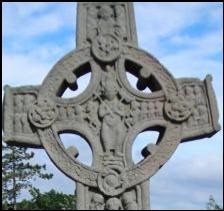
110,113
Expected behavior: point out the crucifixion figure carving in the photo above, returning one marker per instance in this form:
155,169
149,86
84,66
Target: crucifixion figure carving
110,113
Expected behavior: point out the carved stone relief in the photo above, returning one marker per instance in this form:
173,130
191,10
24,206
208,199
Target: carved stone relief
110,113
97,202
106,19
21,107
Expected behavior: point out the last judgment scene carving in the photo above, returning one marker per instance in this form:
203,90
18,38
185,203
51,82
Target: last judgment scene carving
110,113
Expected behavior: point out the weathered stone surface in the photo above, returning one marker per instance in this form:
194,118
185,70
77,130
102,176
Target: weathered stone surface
110,113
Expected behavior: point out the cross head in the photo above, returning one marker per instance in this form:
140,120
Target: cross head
110,113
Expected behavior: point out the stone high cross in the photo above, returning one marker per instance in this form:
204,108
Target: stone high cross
110,113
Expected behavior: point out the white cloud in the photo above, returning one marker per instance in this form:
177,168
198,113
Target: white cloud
26,9
206,45
21,65
23,20
23,70
165,20
187,183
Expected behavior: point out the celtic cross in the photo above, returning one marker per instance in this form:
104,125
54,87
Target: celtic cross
110,113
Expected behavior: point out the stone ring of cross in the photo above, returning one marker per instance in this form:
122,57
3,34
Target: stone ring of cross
53,85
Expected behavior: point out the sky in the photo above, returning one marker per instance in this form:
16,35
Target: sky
187,38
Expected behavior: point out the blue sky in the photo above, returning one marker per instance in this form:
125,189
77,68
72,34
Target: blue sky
186,38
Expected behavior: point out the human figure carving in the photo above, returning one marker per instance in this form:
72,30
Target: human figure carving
62,112
151,107
144,110
112,127
92,23
189,93
18,103
17,123
112,131
203,115
158,108
91,115
28,99
120,27
135,111
114,204
97,202
25,125
129,201
199,99
106,21
70,112
79,113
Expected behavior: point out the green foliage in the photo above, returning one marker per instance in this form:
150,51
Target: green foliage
17,173
51,200
212,205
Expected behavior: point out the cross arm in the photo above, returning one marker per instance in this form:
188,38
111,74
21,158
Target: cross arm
203,122
16,127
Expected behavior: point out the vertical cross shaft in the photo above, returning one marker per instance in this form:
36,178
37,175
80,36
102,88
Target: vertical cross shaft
100,18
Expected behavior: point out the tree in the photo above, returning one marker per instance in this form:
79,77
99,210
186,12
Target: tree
51,200
212,205
17,173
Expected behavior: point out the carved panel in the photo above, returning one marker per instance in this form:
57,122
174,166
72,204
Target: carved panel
17,128
201,95
105,18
